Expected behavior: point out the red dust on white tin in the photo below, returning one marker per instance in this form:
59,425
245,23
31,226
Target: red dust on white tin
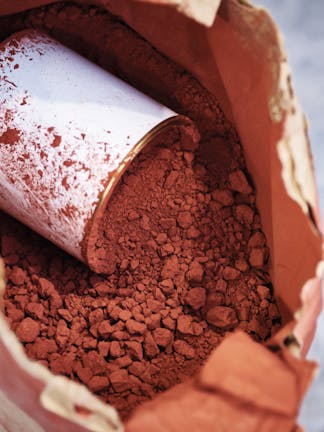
68,130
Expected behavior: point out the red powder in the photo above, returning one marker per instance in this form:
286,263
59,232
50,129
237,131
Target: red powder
181,243
10,136
178,246
56,141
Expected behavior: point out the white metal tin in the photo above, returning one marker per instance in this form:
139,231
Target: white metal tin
68,130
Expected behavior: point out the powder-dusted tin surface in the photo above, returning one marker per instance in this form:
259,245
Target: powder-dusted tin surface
67,130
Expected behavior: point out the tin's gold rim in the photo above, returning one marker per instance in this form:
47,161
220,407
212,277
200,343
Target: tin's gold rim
177,120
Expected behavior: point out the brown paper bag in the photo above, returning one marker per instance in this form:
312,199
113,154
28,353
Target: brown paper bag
235,50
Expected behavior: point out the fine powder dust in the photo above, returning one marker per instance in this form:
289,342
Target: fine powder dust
181,245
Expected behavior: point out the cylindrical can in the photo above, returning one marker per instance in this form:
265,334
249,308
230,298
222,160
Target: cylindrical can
68,131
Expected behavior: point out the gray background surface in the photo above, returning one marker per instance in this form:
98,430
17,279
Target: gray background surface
302,25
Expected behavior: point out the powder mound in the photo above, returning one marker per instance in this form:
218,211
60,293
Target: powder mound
17,276
180,243
28,330
223,317
196,298
183,348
